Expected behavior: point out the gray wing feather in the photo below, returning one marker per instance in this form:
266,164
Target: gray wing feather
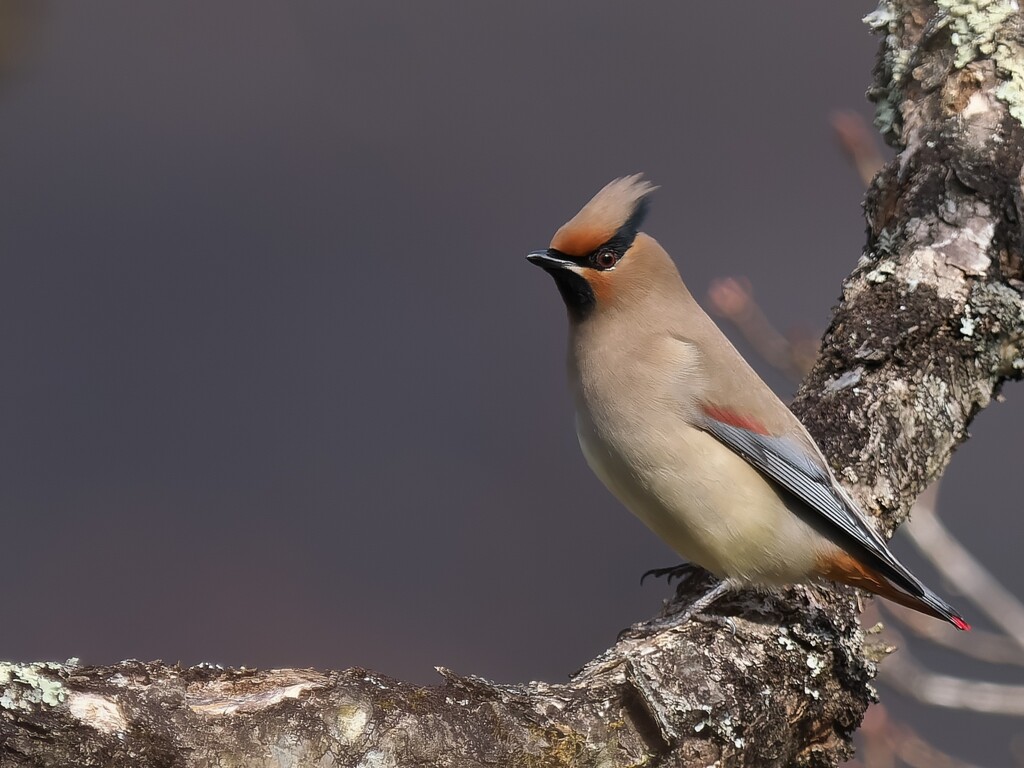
785,462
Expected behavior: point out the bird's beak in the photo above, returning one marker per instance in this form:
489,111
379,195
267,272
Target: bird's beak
545,260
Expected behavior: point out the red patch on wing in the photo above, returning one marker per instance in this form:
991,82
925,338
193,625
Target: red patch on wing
734,419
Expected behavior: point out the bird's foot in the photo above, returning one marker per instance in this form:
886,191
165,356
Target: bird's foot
704,601
725,622
681,571
675,616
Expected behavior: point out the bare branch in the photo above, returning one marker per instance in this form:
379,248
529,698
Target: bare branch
975,581
733,299
984,646
860,144
888,743
903,673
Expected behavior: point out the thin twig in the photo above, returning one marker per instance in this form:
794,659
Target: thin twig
859,142
960,567
913,750
733,299
903,673
984,646
886,743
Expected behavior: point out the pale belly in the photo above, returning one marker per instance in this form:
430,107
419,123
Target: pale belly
706,503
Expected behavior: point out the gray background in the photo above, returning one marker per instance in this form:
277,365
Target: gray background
279,388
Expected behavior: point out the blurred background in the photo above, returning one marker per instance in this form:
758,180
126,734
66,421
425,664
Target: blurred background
278,386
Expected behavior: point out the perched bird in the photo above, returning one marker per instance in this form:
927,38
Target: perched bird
687,436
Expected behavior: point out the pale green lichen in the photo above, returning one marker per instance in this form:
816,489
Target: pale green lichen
881,273
352,719
816,664
885,243
785,640
975,26
983,28
1001,309
886,93
967,323
726,728
978,29
26,686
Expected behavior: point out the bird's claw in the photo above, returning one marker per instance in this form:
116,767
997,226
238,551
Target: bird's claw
680,572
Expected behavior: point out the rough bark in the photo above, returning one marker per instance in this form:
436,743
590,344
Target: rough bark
928,328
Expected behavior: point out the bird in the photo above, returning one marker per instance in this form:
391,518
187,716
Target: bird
686,435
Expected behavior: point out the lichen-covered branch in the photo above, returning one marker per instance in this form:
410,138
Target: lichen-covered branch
929,326
689,696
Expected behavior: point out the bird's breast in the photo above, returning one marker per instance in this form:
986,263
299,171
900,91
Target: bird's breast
702,499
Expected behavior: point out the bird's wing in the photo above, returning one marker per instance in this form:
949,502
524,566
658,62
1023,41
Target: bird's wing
787,463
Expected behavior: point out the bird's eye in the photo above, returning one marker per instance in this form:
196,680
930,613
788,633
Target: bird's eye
605,259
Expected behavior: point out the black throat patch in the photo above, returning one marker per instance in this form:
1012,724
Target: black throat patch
576,293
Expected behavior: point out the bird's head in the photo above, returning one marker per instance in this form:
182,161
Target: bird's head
599,259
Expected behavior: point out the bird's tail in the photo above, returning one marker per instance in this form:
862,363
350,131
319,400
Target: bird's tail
845,569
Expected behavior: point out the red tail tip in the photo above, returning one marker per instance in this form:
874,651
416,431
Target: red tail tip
960,623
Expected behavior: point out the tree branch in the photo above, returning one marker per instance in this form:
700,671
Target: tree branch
928,328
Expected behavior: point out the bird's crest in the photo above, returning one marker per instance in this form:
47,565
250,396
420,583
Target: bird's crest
614,214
